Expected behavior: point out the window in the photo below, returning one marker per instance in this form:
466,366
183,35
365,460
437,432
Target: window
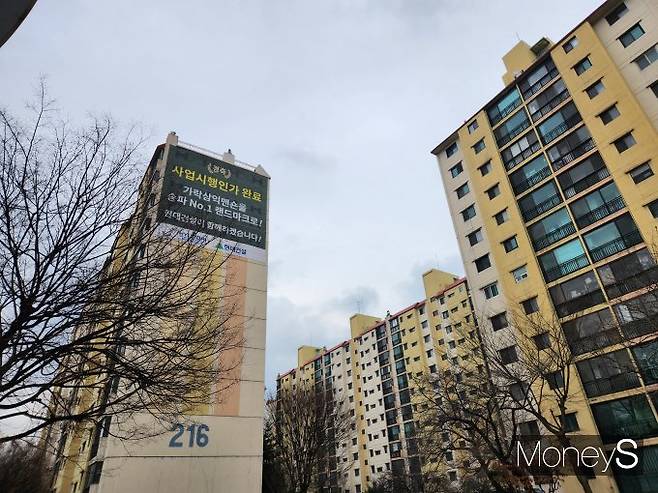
510,244
653,208
451,149
472,127
555,380
475,237
641,172
610,114
582,66
565,259
482,263
530,305
456,169
479,146
485,169
569,422
616,14
499,321
633,34
469,212
462,190
542,341
624,142
570,44
493,192
502,217
647,58
490,290
595,89
508,355
576,294
611,372
520,273
654,87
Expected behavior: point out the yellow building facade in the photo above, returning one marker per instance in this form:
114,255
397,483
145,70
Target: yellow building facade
553,193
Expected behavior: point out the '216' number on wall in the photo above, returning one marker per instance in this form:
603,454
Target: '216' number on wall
197,434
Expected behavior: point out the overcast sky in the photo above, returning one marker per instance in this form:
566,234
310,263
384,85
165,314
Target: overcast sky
340,101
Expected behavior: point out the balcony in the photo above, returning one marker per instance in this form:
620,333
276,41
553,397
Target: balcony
640,327
586,182
504,139
553,237
615,383
609,207
573,154
563,127
552,103
531,181
507,110
566,268
534,89
539,209
522,156
596,341
632,283
615,246
580,303
637,429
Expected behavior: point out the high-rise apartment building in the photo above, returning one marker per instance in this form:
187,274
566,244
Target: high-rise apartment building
375,373
553,193
216,446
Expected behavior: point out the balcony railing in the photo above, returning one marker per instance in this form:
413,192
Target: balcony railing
596,341
550,105
504,112
640,327
607,208
637,429
540,208
574,153
632,283
504,139
615,383
615,246
563,127
522,156
532,180
533,89
580,303
586,182
566,268
554,236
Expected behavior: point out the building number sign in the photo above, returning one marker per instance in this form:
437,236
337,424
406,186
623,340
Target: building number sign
197,436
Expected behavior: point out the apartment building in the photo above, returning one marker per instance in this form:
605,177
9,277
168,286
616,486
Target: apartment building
375,373
216,446
553,193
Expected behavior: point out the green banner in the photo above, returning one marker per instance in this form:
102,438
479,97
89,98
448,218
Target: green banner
211,196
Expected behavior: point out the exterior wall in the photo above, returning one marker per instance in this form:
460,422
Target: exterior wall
232,459
626,86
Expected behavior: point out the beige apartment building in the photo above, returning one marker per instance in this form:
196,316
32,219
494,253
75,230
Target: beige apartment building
375,373
553,193
216,447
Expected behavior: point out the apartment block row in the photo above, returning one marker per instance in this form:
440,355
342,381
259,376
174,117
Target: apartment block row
375,373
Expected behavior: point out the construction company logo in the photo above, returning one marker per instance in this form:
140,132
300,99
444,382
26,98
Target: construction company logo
215,169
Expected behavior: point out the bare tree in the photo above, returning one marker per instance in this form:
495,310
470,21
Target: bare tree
103,312
464,421
23,468
309,427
